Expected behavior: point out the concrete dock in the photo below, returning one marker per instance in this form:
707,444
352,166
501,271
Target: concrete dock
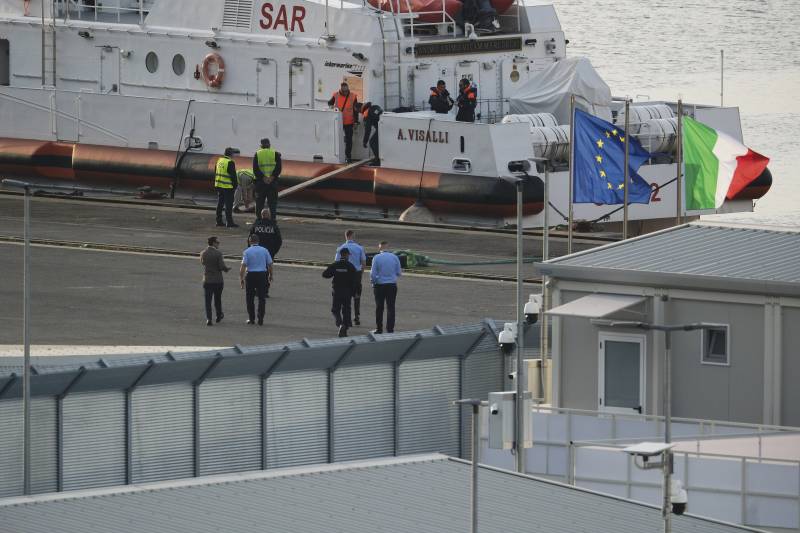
84,296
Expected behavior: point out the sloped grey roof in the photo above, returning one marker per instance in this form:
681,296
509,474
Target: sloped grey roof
414,493
728,257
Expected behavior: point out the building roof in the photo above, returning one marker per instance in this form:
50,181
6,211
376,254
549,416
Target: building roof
412,493
727,257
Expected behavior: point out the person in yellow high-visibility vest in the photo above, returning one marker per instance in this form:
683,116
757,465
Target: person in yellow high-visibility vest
267,168
225,184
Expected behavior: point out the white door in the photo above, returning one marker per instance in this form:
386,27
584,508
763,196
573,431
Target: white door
621,376
301,83
267,82
109,70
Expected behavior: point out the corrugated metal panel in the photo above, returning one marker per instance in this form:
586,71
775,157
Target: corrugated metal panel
483,373
297,418
162,439
703,250
230,425
364,412
43,446
419,495
94,440
428,421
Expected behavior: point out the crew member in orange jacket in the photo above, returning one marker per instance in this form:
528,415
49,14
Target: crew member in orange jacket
347,104
467,101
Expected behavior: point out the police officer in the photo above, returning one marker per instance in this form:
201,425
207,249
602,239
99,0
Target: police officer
344,274
440,100
385,271
358,258
225,183
257,267
347,104
267,168
372,115
269,236
467,100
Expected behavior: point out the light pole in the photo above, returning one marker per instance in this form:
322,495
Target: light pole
26,322
518,434
543,333
666,511
476,447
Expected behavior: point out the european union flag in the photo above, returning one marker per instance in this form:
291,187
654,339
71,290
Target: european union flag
599,161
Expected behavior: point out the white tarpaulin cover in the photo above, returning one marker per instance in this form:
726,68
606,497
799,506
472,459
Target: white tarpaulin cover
548,91
596,305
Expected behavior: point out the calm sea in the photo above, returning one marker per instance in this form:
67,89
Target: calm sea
665,49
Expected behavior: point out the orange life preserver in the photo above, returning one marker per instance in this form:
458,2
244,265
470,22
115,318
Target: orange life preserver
213,80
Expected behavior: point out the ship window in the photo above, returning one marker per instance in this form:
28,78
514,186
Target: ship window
715,345
178,64
151,62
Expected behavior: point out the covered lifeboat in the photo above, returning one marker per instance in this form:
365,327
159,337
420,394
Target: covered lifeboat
431,10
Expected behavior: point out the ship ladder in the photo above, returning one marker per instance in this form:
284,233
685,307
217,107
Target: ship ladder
49,51
392,68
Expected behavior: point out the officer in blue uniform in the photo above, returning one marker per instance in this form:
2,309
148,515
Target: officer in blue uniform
257,267
359,260
385,271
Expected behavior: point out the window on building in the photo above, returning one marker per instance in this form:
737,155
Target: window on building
715,346
151,62
178,64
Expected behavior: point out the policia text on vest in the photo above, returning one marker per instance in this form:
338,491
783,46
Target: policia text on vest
225,184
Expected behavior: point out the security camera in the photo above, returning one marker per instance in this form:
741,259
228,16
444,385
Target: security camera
512,375
508,337
678,496
494,409
532,308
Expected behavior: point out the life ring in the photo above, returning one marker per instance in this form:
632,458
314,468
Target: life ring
213,80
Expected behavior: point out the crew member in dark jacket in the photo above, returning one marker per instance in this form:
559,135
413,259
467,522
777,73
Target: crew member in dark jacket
267,169
372,115
467,100
344,275
225,183
439,99
213,265
269,235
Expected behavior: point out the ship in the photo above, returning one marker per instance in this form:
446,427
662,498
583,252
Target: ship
149,93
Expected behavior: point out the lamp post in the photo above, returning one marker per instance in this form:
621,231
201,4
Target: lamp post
543,333
26,321
518,434
476,447
666,511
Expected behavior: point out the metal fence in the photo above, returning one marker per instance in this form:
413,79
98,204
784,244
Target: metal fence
584,448
143,418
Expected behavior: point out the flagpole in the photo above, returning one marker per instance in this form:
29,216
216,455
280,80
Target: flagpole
571,169
679,172
627,172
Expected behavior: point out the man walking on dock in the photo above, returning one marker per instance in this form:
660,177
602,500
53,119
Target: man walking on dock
257,267
385,271
347,104
344,275
267,169
225,184
214,265
358,258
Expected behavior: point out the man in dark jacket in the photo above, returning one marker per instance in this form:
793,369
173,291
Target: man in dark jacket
344,275
372,115
269,235
467,101
439,99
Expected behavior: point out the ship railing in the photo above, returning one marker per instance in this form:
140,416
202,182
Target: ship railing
128,11
487,110
408,19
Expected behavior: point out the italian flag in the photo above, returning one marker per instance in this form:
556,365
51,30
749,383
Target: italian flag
716,165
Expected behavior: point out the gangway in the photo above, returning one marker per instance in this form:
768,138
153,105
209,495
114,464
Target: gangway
319,179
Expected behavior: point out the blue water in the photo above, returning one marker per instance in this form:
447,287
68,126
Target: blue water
666,49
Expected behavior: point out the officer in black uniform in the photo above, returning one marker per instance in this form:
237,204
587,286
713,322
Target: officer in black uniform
344,276
268,233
